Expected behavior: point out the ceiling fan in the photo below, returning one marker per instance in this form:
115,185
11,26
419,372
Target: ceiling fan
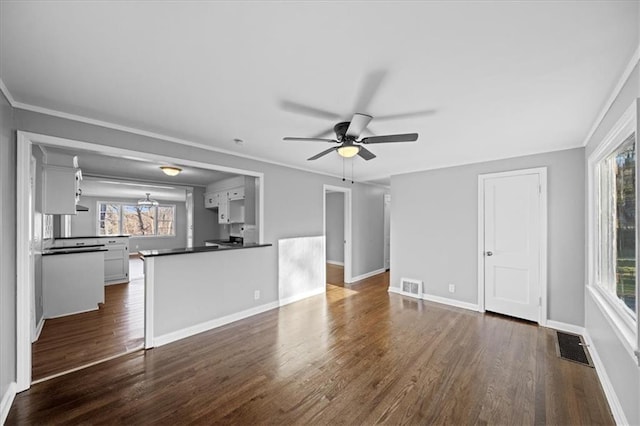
347,134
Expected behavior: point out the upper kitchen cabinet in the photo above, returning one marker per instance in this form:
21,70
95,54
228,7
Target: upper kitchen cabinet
235,199
61,181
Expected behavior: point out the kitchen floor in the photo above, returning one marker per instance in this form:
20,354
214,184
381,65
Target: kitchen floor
74,341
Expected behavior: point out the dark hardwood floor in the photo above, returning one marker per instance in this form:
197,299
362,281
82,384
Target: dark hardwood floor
357,355
73,341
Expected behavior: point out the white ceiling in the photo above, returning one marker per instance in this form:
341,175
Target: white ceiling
502,78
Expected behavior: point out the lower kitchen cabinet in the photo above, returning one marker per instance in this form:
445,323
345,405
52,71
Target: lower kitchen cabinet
116,260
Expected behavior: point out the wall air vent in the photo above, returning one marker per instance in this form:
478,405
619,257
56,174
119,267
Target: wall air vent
411,287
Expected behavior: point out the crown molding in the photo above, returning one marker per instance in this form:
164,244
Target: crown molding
7,94
635,59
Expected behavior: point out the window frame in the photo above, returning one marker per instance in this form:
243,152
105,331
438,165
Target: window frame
155,221
618,315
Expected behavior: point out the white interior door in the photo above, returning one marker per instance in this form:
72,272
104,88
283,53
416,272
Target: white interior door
512,244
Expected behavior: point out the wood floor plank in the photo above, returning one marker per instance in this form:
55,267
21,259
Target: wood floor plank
357,355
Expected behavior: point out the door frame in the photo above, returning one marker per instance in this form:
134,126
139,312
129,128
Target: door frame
25,141
348,273
542,175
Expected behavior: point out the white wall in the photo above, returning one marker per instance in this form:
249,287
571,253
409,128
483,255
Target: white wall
335,227
85,224
7,248
434,229
620,367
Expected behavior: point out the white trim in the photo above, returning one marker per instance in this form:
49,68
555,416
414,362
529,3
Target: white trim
635,58
335,262
438,299
563,326
7,400
542,174
348,229
149,309
622,330
366,275
215,323
39,329
74,313
607,386
301,296
7,94
23,269
450,302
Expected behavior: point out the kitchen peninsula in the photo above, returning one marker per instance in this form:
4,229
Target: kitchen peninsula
192,290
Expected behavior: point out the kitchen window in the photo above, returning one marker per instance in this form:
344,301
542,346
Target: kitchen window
136,221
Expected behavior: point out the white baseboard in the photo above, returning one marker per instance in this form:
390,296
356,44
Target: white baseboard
39,329
304,295
367,275
438,299
607,386
335,262
209,325
451,302
563,326
7,400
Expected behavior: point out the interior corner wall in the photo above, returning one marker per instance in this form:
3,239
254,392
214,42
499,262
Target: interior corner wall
293,198
621,369
434,229
7,246
335,227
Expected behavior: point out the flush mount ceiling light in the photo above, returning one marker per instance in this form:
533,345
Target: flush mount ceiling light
348,151
147,202
171,170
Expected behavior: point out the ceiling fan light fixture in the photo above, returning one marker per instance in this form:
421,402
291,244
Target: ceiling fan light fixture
171,170
147,202
348,151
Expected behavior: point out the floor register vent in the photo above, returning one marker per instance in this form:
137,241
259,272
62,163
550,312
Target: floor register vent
410,287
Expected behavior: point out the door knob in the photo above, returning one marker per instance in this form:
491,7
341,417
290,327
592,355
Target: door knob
489,253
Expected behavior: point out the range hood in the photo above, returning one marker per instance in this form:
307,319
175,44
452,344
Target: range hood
80,208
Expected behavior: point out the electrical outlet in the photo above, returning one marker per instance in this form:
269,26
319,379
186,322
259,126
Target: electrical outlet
256,295
452,288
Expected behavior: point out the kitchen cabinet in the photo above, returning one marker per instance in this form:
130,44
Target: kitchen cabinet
236,193
211,200
116,260
223,209
236,211
61,189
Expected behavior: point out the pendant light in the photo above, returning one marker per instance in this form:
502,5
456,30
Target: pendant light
147,202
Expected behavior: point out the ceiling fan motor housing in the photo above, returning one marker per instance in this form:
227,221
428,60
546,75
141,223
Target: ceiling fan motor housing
341,130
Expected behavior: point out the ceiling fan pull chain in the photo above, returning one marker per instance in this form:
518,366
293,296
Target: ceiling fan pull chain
343,160
352,161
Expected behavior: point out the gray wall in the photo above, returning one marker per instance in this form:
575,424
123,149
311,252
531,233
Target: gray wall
293,198
335,226
85,224
434,229
205,221
621,369
7,246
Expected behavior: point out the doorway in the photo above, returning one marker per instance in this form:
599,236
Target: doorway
512,227
337,232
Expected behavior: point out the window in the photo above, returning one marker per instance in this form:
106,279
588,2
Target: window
134,220
616,249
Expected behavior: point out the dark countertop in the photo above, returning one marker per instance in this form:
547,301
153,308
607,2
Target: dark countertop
74,250
92,236
201,249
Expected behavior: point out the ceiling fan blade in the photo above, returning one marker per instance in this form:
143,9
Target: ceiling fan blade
406,115
309,110
366,154
358,123
309,139
407,137
322,154
369,88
